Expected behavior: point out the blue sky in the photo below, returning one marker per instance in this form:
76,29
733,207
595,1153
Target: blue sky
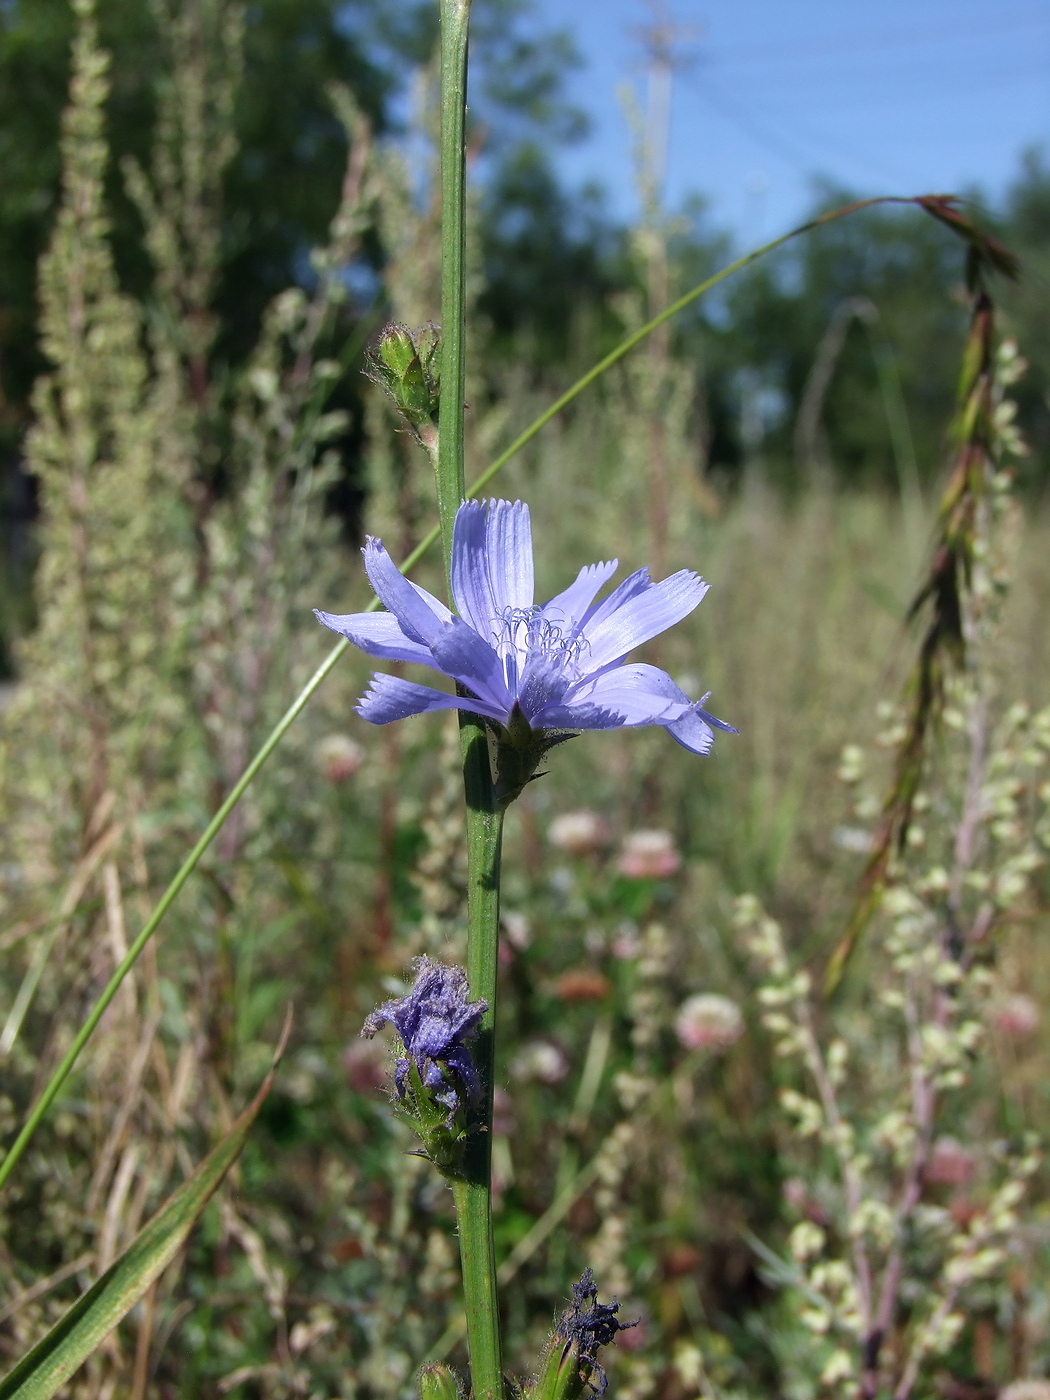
899,96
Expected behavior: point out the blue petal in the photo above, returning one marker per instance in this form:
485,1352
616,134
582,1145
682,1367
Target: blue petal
468,658
389,698
400,1075
378,634
641,617
460,1060
510,555
491,562
420,614
632,585
639,694
693,732
581,716
710,718
568,608
470,587
434,1035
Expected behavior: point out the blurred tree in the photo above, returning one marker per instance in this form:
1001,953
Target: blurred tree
895,354
553,261
546,252
281,187
283,184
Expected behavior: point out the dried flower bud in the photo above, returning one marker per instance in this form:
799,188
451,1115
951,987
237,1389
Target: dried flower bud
579,833
436,1082
570,1363
708,1021
649,855
339,757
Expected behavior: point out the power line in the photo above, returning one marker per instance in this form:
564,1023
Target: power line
878,39
785,146
912,84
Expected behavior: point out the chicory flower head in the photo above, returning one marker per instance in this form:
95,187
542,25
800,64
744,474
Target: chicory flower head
435,1022
531,669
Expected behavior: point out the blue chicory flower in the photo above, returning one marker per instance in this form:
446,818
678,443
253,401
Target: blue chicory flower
435,1022
559,666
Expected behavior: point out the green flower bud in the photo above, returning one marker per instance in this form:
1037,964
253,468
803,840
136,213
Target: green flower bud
407,364
438,1382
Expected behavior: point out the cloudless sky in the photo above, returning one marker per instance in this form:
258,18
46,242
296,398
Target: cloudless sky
893,97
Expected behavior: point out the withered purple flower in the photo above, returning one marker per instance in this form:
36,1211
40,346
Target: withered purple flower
532,669
435,1023
587,1325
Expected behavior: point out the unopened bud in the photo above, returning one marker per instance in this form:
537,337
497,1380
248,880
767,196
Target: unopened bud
407,364
438,1382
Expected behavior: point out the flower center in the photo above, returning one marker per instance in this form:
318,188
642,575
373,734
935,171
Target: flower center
519,633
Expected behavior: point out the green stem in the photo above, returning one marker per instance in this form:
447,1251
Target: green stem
455,16
215,825
473,1196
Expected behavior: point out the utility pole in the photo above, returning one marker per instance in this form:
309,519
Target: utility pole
661,40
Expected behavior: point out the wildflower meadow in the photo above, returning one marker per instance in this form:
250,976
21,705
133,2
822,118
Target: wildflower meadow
412,988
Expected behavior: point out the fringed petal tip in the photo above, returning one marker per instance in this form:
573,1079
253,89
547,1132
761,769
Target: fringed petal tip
712,719
389,698
695,731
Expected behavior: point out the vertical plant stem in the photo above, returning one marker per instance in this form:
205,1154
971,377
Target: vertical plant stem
451,482
473,1196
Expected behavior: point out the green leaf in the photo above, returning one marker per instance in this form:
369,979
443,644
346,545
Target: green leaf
70,1342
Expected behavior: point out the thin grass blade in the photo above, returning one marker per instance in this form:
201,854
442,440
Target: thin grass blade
71,1341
